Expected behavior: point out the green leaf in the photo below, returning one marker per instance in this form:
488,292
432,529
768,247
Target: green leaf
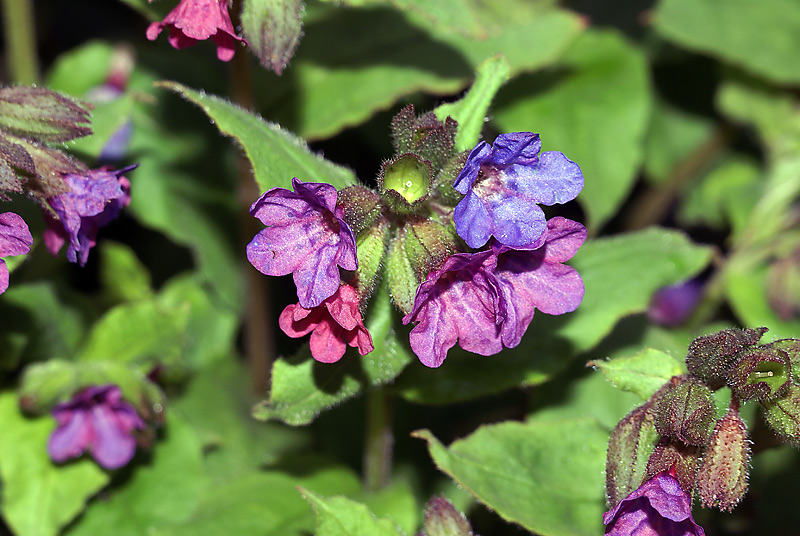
370,58
302,387
643,373
122,274
471,110
39,497
262,503
120,335
547,477
763,37
275,154
339,516
594,107
165,490
273,29
38,324
217,408
657,257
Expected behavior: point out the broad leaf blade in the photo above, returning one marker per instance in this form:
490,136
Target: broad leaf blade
643,373
339,516
546,476
276,155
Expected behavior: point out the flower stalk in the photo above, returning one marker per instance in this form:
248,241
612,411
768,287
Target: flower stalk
20,32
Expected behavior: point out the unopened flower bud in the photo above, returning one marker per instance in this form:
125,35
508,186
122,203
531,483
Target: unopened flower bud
370,247
442,519
683,460
760,373
631,443
791,347
431,140
686,411
405,181
783,414
722,478
712,356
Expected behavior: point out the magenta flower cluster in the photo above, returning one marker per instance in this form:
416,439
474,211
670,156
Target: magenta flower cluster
482,300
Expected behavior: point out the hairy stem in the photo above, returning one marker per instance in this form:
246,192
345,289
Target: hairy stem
379,440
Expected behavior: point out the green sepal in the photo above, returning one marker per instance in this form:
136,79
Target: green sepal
783,415
722,478
683,458
42,115
273,29
631,443
711,357
401,276
685,411
760,373
370,248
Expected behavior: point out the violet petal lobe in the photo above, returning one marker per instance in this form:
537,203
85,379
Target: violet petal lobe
113,446
15,239
659,507
306,236
504,186
71,437
536,279
460,303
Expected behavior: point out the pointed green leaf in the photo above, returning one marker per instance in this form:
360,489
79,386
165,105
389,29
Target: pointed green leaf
643,373
471,110
39,497
339,516
547,477
276,155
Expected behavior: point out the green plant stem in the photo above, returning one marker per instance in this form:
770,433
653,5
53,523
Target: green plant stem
258,319
379,440
20,32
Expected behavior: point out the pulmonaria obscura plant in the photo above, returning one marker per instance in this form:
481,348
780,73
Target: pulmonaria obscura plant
459,238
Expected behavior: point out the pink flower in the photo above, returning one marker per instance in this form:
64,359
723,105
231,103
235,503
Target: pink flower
197,20
98,420
15,239
334,324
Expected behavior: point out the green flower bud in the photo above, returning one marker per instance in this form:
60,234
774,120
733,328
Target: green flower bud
791,347
783,415
403,279
425,136
631,443
712,356
760,373
442,519
722,478
370,247
405,182
686,411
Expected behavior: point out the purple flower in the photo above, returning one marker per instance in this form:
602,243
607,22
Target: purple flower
98,420
671,306
197,20
659,507
503,186
486,300
305,236
15,239
94,200
536,279
461,302
333,325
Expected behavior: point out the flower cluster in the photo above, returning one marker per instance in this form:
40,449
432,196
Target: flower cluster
467,254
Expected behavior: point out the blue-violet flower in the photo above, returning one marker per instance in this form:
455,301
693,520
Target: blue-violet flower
98,420
306,236
92,202
503,185
15,239
659,507
486,300
333,325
